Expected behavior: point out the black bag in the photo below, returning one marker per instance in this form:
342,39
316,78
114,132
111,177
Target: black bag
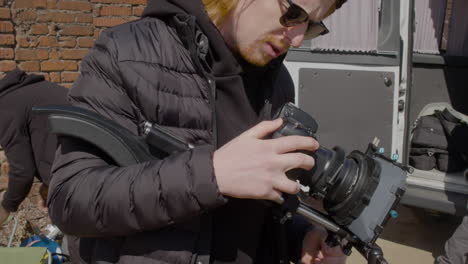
440,141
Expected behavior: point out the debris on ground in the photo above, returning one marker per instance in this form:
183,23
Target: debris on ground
32,214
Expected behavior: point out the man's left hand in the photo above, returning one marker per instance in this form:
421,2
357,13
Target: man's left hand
316,251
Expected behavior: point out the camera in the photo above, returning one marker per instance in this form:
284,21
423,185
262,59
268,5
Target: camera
359,191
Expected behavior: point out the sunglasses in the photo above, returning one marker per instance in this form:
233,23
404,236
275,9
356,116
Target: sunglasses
296,15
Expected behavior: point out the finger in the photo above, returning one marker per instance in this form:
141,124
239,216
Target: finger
296,160
320,255
332,252
293,143
274,195
334,260
307,259
264,128
283,184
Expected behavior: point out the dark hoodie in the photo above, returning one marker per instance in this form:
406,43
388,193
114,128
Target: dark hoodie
24,137
240,227
241,91
154,212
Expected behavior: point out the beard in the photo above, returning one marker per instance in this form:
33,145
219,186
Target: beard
255,54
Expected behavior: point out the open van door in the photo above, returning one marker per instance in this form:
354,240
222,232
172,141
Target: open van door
371,76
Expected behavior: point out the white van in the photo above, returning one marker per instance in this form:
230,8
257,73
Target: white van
381,64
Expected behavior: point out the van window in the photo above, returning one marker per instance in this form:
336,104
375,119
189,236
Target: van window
354,27
429,24
441,27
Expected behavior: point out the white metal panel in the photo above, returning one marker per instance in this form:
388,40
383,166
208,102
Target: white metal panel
458,33
397,132
353,27
429,22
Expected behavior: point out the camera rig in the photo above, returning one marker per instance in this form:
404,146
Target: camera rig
360,231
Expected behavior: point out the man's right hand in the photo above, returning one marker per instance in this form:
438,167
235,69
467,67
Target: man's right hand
252,167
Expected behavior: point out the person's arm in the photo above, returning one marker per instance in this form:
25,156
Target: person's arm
22,170
90,197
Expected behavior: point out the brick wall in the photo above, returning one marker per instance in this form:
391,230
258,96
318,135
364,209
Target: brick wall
50,37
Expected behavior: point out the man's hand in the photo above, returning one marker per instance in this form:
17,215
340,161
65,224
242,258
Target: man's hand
316,251
252,167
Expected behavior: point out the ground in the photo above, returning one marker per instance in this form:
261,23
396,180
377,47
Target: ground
416,236
31,215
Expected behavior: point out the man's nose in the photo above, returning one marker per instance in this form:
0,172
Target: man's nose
296,34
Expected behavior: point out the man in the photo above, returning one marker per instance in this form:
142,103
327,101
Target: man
28,145
208,72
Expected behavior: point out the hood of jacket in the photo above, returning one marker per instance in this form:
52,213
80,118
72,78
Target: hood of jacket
17,79
222,61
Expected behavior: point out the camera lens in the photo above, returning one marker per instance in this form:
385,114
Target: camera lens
344,183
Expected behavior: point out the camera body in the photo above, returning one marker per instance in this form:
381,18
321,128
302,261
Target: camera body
359,191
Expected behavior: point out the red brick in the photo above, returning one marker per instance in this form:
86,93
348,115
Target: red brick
51,4
115,11
108,21
39,29
67,85
74,5
30,4
55,77
30,66
84,18
138,10
138,2
6,66
46,41
85,42
31,54
69,76
73,54
5,13
132,2
97,32
6,27
7,53
26,15
7,39
67,42
53,54
61,17
49,66
77,31
27,41
23,42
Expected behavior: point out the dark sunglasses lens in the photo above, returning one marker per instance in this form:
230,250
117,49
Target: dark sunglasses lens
315,30
294,15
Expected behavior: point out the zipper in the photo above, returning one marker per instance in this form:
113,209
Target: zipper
188,38
212,99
